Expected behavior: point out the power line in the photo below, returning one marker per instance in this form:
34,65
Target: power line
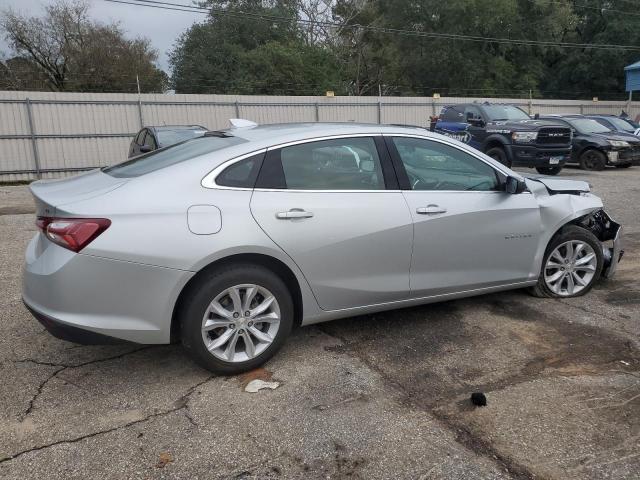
385,30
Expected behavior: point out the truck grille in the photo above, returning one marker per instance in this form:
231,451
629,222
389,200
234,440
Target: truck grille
554,135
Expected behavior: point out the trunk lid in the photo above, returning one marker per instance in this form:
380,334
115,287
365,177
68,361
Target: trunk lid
51,195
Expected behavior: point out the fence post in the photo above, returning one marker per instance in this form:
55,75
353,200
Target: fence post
317,112
581,109
433,108
32,134
237,105
140,117
379,111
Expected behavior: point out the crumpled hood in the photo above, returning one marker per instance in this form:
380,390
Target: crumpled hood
558,185
524,125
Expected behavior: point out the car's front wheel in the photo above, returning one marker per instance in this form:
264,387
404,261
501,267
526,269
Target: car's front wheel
572,264
593,160
548,170
236,318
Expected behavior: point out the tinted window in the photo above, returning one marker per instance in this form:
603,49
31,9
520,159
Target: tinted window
140,137
435,166
165,157
453,114
341,164
471,111
504,112
586,125
241,174
149,141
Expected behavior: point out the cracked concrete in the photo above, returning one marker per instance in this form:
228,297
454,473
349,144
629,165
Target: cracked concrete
379,396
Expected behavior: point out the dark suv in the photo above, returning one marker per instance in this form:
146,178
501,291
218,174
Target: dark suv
596,146
507,134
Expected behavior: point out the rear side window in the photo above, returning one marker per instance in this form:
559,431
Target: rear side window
241,174
453,114
340,164
172,155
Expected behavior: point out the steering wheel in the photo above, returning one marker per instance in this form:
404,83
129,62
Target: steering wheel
419,183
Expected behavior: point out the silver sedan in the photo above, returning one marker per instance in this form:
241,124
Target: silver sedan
228,241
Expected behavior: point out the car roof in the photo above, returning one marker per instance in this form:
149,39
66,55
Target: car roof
160,128
278,133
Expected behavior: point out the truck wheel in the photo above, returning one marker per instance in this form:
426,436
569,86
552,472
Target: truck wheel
548,170
593,160
500,155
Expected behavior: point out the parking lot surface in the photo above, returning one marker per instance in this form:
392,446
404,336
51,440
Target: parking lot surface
377,396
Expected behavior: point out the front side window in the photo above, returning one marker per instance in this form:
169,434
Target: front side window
435,166
340,164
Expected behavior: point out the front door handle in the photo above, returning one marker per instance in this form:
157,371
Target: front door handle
431,210
294,213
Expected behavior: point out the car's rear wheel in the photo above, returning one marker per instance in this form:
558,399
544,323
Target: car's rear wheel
593,160
549,170
498,153
572,264
236,318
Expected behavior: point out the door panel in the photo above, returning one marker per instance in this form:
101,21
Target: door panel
354,248
472,240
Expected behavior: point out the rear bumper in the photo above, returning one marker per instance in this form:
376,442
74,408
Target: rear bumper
84,298
69,333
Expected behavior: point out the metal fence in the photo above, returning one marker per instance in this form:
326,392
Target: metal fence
46,135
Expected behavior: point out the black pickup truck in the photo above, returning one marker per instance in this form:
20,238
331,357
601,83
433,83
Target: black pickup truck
507,134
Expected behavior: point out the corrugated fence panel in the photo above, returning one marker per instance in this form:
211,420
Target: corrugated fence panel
76,131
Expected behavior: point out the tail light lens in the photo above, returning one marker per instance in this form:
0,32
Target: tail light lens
72,233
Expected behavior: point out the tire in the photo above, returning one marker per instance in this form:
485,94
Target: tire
207,289
593,160
570,233
498,153
626,165
548,170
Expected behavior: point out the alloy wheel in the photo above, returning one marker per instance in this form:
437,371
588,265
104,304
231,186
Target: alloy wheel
570,268
240,323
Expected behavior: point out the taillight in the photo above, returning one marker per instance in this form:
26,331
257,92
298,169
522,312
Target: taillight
72,233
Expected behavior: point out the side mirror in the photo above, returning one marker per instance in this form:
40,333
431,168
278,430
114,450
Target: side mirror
145,149
367,166
513,185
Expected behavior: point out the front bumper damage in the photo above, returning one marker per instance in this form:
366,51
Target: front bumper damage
609,233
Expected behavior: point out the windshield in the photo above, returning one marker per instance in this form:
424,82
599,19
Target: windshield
621,124
165,157
169,137
586,125
504,112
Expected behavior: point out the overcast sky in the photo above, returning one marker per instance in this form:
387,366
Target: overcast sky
162,27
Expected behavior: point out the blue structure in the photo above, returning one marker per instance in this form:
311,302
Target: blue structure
632,74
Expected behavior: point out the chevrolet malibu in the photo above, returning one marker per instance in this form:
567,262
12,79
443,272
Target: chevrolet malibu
228,241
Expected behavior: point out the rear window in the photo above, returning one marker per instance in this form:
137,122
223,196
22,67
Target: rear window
168,156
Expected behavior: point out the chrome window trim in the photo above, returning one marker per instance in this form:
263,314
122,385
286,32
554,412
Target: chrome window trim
209,181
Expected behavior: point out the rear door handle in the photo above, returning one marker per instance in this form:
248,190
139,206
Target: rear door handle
431,210
294,213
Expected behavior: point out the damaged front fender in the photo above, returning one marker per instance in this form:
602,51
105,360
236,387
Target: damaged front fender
609,233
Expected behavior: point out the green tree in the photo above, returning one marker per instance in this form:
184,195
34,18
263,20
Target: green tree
66,50
249,46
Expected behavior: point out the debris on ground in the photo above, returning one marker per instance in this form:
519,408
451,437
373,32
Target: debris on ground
256,374
479,399
164,459
255,385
